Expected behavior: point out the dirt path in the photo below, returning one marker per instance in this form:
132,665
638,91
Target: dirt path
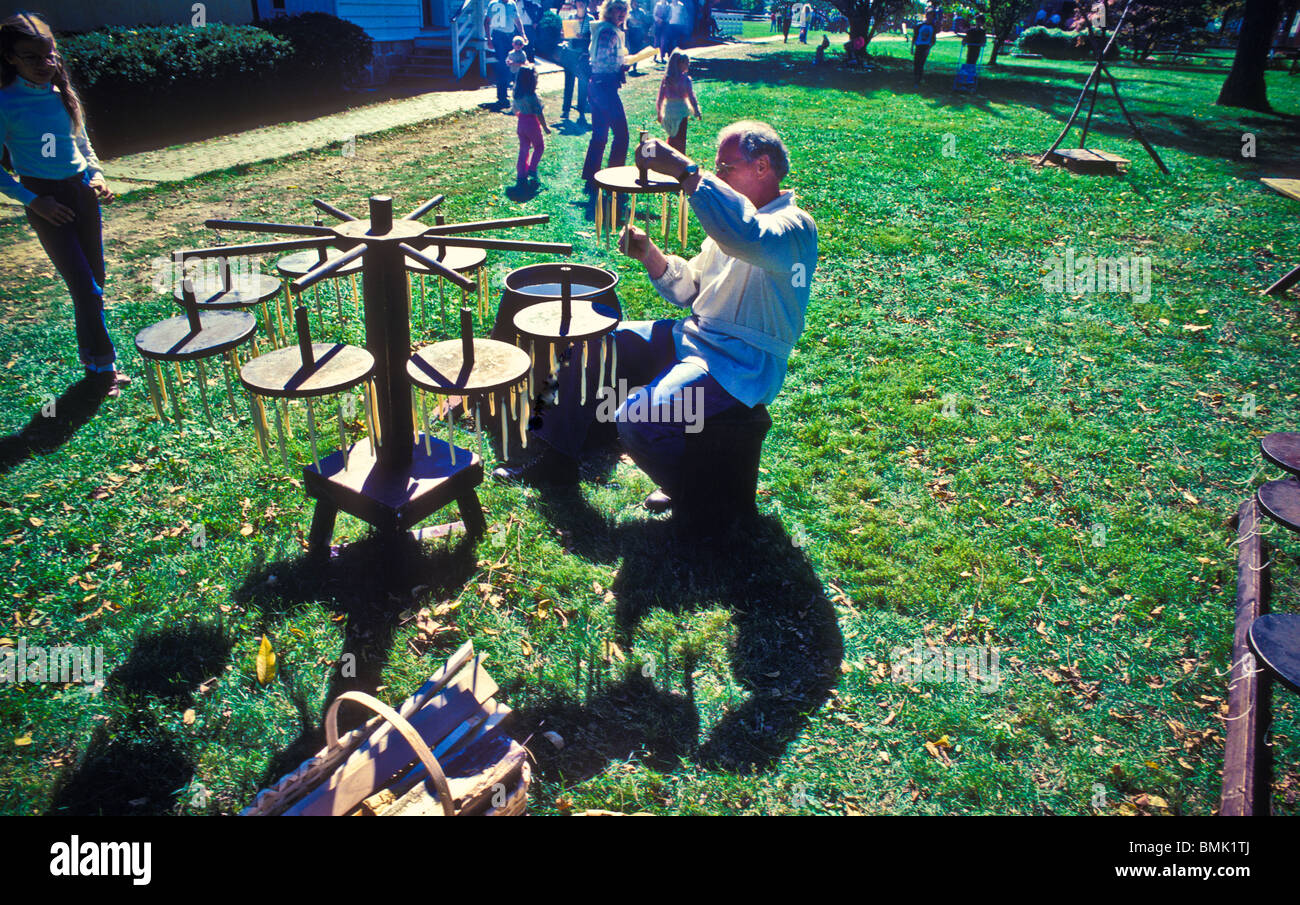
465,142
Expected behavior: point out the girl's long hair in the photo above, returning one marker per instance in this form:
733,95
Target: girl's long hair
31,27
526,81
677,64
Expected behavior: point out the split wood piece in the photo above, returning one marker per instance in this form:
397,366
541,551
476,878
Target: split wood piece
374,764
1247,695
310,773
1280,501
1291,189
1283,450
490,769
1089,161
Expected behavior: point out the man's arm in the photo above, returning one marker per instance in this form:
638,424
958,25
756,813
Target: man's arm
674,278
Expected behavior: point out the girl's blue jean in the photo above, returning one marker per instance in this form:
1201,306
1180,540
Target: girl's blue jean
606,114
656,381
77,251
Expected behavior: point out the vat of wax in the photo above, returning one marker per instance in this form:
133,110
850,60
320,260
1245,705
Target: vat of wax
543,283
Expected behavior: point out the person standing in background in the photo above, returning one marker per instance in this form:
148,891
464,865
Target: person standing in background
662,8
608,50
502,21
805,20
574,57
922,42
60,181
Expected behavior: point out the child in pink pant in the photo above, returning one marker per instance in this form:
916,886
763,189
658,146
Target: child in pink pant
532,122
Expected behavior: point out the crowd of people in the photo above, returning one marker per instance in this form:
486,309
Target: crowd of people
596,55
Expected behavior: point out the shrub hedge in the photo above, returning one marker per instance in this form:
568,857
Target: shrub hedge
1055,44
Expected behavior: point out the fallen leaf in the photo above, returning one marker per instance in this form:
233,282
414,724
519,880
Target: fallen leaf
23,740
188,717
265,662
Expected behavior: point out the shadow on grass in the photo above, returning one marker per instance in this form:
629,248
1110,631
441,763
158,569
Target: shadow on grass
370,583
785,655
1164,126
42,436
138,767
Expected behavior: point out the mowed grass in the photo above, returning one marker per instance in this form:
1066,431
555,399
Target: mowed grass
959,458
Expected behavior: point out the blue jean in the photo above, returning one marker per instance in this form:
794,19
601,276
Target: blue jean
657,382
606,114
502,41
76,250
577,71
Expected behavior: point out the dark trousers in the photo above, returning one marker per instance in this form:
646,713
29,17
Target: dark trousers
577,70
918,62
653,417
606,115
76,250
678,139
501,44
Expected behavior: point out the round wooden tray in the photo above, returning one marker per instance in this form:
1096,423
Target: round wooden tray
1280,501
627,181
543,321
440,367
246,291
1275,638
461,260
281,373
290,267
173,340
1283,450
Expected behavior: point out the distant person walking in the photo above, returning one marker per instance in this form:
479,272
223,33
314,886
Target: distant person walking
60,182
785,23
805,20
677,100
532,123
922,42
503,20
662,8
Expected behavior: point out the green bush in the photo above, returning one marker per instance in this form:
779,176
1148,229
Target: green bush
549,31
328,52
1055,44
170,61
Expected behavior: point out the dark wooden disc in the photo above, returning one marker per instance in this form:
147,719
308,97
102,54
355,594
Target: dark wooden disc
1280,501
440,368
295,265
1283,450
1275,638
628,181
246,291
543,322
461,260
172,339
281,373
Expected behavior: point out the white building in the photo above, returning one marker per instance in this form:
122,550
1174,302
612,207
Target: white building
416,36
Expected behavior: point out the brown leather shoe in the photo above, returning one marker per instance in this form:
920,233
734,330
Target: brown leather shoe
658,502
111,382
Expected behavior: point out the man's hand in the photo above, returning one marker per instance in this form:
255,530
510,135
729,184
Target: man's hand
50,209
100,185
636,244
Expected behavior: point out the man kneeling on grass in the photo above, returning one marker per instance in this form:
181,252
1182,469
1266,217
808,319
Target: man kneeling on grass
747,289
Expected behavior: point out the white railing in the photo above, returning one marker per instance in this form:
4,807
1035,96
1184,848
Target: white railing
467,31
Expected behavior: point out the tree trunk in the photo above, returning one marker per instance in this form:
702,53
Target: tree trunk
1245,86
1000,38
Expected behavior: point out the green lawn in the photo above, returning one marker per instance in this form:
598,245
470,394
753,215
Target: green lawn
958,458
